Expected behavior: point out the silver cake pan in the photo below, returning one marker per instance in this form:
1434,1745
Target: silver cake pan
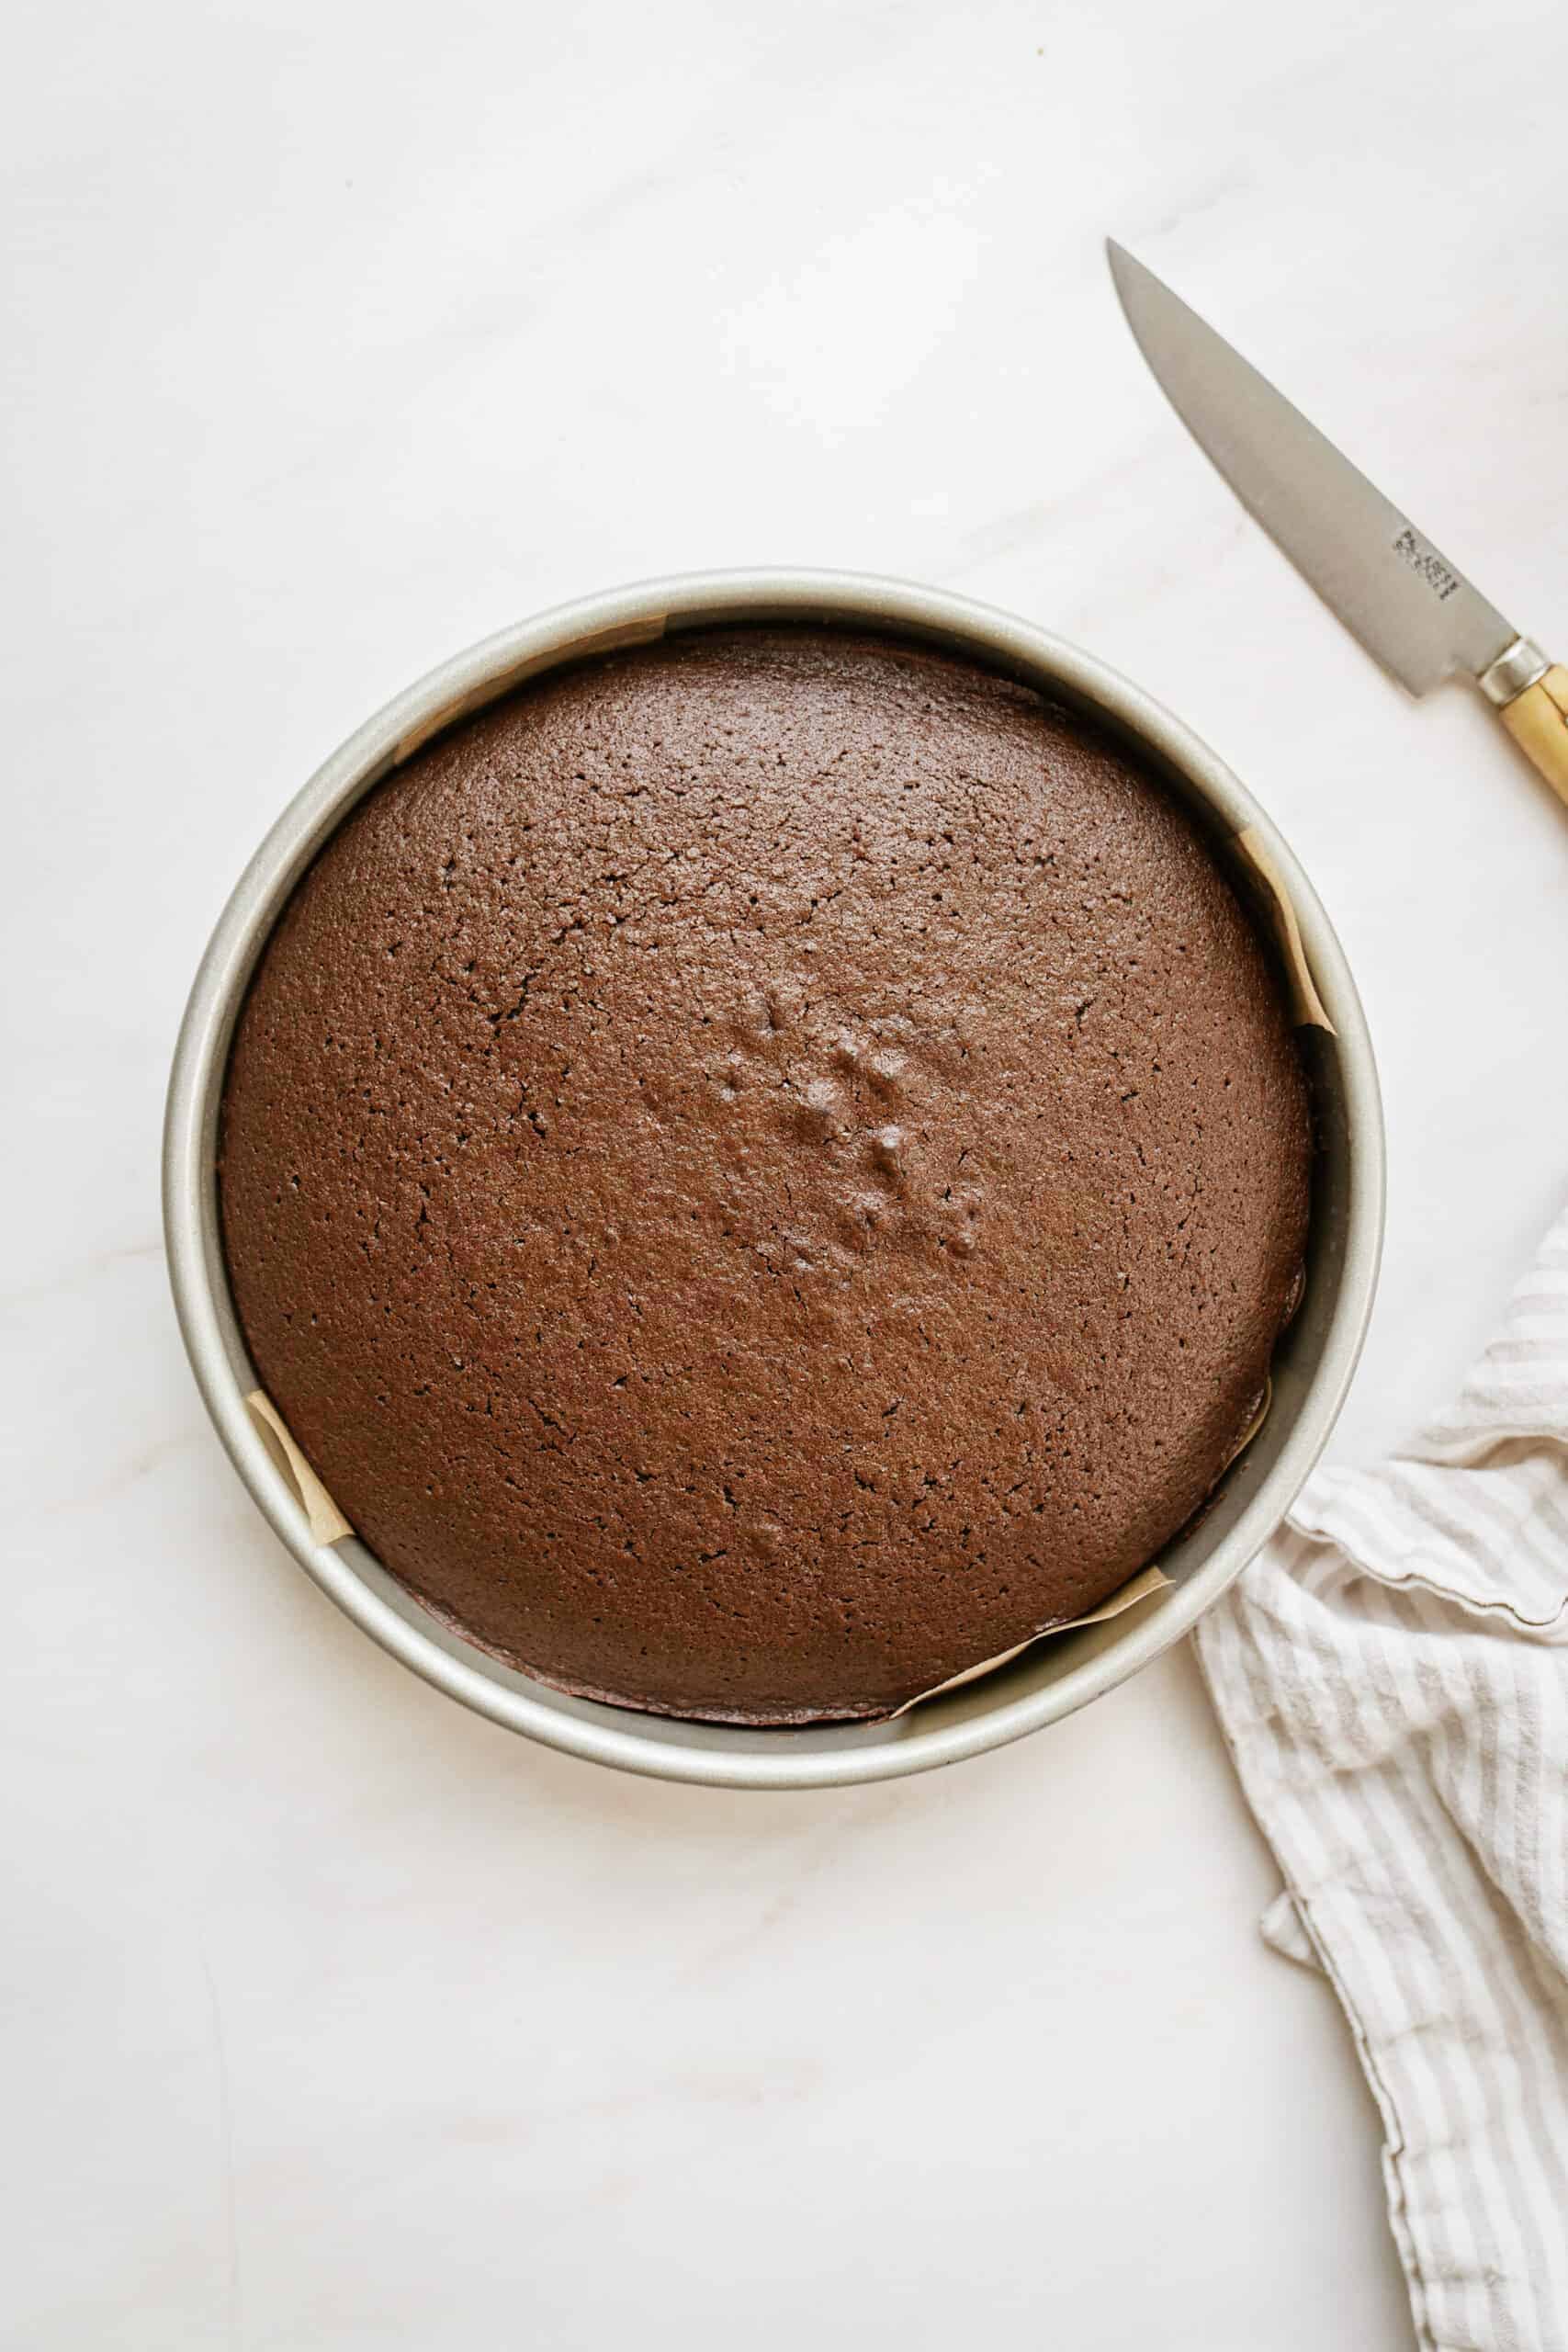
1312,1367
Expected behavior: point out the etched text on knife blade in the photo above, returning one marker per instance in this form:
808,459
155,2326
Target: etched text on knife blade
1424,560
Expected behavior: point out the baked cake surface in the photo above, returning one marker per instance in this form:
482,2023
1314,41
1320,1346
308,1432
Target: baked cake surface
763,1170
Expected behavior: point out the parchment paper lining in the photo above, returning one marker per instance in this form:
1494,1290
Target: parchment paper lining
1275,903
328,1524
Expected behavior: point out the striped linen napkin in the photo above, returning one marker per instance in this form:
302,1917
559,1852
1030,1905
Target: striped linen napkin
1392,1675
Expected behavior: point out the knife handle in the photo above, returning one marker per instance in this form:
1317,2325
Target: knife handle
1538,721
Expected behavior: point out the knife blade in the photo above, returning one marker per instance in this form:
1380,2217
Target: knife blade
1411,609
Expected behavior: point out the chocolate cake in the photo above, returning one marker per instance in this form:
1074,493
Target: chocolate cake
763,1170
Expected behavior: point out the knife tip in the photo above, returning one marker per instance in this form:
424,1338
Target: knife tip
1124,274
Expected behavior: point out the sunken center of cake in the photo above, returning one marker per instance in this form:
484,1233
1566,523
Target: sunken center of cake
764,1170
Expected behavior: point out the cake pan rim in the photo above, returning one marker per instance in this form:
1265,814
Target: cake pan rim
664,1747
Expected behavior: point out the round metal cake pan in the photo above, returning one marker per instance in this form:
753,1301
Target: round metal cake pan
1311,1369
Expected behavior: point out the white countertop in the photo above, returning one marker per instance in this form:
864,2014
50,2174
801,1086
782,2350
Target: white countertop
340,2018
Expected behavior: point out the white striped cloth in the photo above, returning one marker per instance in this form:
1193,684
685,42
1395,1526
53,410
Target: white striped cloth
1392,1678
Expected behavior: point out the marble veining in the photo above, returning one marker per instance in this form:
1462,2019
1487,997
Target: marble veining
334,2017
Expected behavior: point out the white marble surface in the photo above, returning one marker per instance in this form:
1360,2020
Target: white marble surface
340,336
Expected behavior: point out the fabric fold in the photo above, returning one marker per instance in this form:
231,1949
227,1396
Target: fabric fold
1392,1677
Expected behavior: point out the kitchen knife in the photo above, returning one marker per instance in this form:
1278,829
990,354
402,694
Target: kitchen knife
1405,602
